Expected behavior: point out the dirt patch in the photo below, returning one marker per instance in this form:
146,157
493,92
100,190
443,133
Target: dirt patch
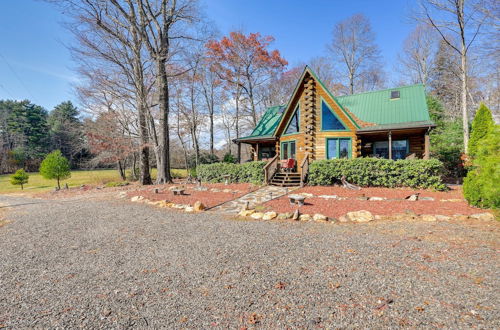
445,203
214,194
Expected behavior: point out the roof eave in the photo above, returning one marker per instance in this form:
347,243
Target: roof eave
367,130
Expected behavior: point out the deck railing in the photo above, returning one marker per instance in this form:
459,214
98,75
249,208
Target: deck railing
270,168
304,169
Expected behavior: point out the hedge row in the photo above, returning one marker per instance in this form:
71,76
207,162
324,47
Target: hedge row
251,172
414,173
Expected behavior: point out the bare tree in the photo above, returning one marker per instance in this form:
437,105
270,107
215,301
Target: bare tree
458,20
354,48
417,57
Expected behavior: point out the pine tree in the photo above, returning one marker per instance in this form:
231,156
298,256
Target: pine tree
66,132
55,166
20,178
481,126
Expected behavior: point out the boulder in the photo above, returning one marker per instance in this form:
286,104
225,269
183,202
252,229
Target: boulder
284,216
343,218
189,209
198,206
320,217
360,216
137,198
257,215
377,199
307,195
428,217
295,215
269,215
246,213
440,217
328,196
305,217
460,217
483,216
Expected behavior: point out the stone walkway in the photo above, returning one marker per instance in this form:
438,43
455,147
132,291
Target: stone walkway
254,198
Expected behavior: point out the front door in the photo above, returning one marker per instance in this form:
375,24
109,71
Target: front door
288,150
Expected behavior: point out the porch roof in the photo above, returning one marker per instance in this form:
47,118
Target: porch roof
397,126
266,126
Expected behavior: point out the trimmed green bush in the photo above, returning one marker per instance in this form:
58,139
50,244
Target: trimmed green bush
251,172
376,172
482,184
20,178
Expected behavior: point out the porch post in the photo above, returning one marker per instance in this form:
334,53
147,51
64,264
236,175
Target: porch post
390,145
427,144
256,151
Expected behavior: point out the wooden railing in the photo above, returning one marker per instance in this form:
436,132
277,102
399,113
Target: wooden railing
304,169
270,168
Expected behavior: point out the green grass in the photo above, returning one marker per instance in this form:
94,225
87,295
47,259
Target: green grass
95,177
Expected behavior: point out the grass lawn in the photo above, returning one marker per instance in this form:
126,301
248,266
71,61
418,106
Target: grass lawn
95,177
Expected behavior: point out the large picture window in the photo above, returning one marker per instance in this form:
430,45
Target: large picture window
399,149
338,148
294,124
329,121
288,150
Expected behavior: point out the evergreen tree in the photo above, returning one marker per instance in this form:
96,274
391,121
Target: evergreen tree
20,178
481,126
55,166
66,131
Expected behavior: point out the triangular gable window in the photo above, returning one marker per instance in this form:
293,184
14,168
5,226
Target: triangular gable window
329,121
293,125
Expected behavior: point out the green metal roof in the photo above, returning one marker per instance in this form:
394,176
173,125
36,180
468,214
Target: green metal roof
413,124
267,124
377,107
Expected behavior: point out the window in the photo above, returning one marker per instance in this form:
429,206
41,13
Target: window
399,149
329,121
293,125
288,150
267,152
394,95
338,148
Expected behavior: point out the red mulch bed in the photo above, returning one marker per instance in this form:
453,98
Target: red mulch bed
208,198
337,208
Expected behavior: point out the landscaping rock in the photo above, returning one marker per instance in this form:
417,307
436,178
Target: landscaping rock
360,216
215,190
483,216
257,215
246,213
328,196
440,217
305,217
426,199
189,209
227,190
428,217
198,206
137,198
284,216
343,218
296,215
460,217
307,195
269,215
362,198
122,194
201,189
377,199
320,217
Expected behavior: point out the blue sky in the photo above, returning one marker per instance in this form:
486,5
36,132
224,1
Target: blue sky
35,64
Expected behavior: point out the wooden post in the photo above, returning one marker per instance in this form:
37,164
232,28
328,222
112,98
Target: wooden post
257,151
390,145
427,145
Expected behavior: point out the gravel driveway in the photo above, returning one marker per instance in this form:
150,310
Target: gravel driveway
98,263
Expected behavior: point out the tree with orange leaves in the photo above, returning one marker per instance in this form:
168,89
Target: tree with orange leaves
246,64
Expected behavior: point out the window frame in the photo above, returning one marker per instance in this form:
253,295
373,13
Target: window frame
296,111
334,114
387,141
338,138
288,143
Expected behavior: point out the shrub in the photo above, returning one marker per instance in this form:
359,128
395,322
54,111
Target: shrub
55,166
482,184
229,158
251,172
481,126
376,172
20,178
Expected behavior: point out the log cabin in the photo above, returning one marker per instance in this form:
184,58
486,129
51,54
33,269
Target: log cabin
391,123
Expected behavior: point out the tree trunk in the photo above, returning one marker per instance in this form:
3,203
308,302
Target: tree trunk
237,126
465,118
164,152
121,169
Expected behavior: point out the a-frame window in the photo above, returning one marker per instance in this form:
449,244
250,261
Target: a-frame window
329,121
294,123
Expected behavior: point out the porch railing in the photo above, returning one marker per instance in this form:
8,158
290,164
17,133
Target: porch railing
304,169
270,168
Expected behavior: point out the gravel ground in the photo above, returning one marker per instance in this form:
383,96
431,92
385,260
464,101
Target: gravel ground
97,263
